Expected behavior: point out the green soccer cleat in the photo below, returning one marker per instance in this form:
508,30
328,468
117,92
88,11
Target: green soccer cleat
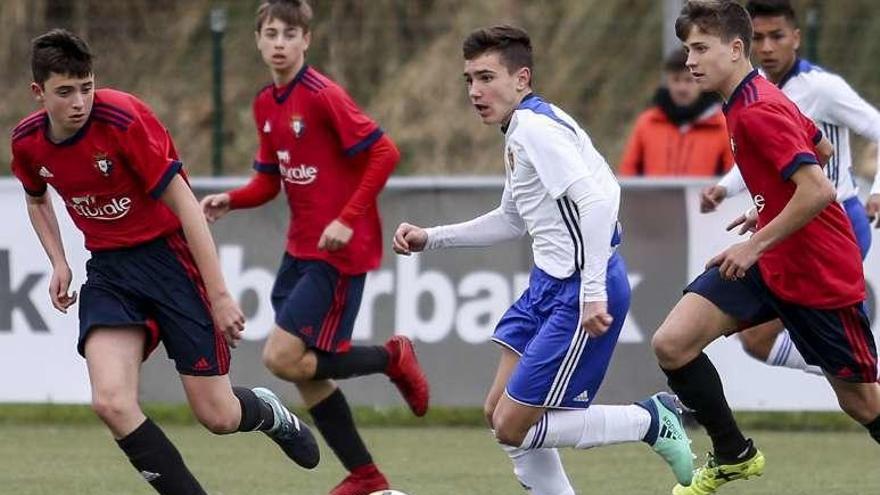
708,478
667,435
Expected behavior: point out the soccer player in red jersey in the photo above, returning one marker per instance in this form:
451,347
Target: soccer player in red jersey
332,161
153,274
802,265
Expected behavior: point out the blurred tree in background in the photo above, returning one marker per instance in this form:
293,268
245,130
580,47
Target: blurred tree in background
401,59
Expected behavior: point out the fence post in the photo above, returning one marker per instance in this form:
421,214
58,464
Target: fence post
218,27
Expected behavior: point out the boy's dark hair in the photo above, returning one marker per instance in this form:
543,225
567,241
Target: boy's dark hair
512,43
772,8
59,52
676,61
292,12
723,18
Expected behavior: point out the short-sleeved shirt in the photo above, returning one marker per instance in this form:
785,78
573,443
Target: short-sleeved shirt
819,265
312,135
110,174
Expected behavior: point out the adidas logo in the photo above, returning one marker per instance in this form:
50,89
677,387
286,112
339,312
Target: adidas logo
668,430
202,365
582,397
150,476
45,173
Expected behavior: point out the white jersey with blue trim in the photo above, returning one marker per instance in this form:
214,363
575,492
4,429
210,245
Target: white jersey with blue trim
546,151
836,109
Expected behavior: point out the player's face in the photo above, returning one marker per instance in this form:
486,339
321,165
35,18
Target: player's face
774,44
68,101
683,88
711,61
493,90
282,46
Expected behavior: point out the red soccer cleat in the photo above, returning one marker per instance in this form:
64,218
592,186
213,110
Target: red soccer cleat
404,371
363,480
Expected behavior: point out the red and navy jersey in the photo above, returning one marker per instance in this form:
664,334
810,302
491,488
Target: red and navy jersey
312,135
110,174
820,265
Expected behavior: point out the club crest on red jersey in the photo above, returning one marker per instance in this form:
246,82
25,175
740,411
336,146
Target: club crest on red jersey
297,125
104,164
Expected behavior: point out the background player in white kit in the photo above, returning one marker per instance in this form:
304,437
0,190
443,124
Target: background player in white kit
836,109
557,339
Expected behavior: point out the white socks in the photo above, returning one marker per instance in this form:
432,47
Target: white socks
785,354
536,462
588,428
539,471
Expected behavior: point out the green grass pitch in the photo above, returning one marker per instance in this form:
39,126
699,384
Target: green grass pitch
43,459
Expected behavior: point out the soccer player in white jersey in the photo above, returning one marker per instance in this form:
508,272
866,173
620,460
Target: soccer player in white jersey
556,341
836,109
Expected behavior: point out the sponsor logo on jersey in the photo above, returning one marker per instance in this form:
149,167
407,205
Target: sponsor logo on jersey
300,174
759,202
103,164
511,160
297,126
267,127
45,173
88,207
732,145
583,397
283,157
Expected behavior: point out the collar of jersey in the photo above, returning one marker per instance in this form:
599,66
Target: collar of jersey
289,88
800,65
72,139
736,92
522,104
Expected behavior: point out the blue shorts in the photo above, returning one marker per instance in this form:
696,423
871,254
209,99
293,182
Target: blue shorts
155,285
317,303
837,340
858,216
560,365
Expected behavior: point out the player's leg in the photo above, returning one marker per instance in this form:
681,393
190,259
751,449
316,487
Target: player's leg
710,308
316,303
841,343
222,409
539,470
770,343
315,310
114,356
579,364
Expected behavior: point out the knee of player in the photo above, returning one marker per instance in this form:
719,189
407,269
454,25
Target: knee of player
506,432
858,408
218,422
509,436
282,363
665,346
113,406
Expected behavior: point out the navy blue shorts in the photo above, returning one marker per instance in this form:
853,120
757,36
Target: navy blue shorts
157,285
317,303
837,340
560,366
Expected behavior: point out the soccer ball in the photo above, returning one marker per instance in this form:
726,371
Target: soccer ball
388,492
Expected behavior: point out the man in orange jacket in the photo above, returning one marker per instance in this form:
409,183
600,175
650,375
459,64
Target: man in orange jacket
683,134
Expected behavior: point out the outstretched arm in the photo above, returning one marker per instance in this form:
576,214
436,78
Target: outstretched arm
499,225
